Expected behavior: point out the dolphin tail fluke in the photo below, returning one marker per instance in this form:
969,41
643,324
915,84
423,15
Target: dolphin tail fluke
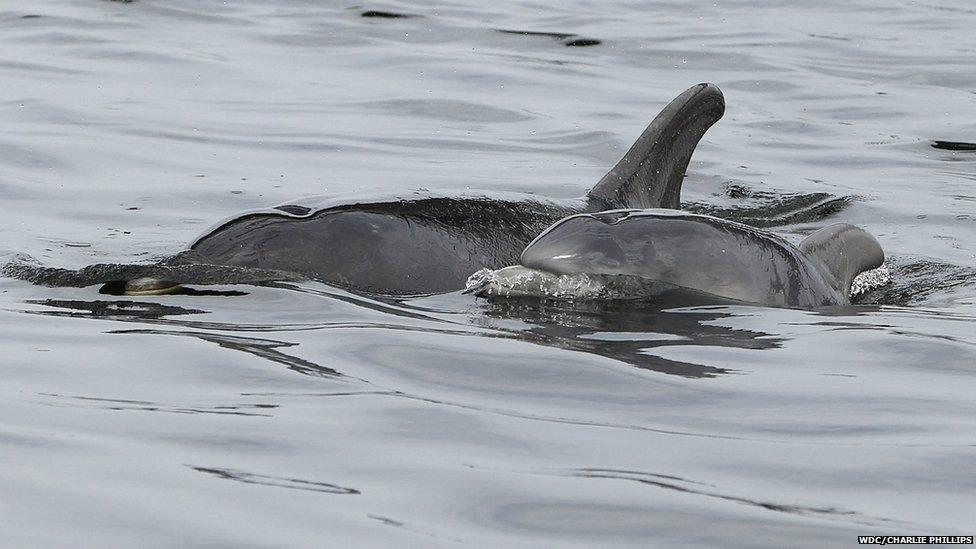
650,174
845,251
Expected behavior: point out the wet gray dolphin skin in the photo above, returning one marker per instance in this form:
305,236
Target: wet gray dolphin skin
430,242
420,244
710,255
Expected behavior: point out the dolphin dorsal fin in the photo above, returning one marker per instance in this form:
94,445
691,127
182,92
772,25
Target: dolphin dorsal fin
845,251
650,174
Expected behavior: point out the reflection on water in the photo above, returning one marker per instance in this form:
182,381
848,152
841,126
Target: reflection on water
564,38
669,482
629,332
263,348
147,406
536,373
280,482
716,444
917,281
140,311
954,146
764,209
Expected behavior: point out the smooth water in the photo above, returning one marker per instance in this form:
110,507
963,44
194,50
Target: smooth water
298,415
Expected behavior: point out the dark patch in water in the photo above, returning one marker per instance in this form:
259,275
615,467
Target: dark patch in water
829,37
556,35
954,146
387,521
386,14
771,210
280,482
667,482
113,310
914,280
568,39
117,288
181,266
400,524
147,406
262,348
294,209
737,191
583,42
575,326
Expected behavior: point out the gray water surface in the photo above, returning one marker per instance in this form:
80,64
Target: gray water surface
299,415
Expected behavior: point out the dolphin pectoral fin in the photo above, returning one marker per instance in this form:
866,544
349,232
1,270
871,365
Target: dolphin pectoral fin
844,251
650,174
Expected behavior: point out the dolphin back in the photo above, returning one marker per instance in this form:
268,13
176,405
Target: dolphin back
650,174
696,252
844,251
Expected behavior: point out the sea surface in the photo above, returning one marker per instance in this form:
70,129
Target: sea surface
301,415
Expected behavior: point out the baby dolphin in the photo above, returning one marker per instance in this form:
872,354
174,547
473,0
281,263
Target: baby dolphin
647,250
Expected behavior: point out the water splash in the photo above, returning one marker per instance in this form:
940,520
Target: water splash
870,280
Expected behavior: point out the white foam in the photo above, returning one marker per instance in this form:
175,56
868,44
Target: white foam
869,280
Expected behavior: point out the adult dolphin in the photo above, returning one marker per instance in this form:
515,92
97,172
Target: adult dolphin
412,244
429,242
637,253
